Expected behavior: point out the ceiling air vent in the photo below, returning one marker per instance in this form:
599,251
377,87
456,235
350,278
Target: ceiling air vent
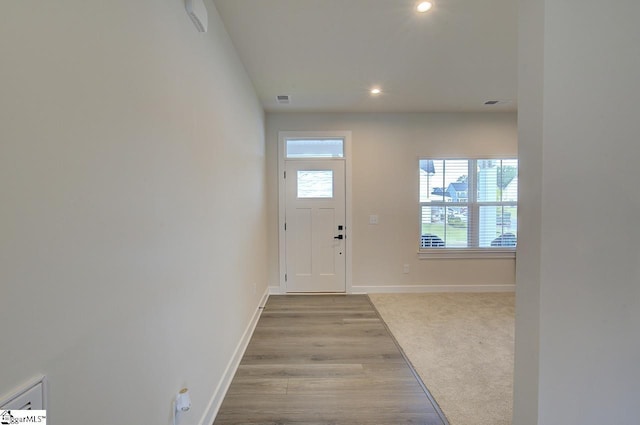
283,99
497,102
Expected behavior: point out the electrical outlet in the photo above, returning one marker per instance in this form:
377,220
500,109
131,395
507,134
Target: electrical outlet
373,219
405,269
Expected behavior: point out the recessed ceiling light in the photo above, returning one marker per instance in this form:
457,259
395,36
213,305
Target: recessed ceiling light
376,90
423,6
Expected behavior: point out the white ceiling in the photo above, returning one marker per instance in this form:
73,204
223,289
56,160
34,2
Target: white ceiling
327,54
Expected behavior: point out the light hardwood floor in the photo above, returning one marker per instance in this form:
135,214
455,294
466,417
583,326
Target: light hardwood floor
324,360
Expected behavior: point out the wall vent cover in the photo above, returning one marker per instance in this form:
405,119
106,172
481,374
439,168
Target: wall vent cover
30,396
283,99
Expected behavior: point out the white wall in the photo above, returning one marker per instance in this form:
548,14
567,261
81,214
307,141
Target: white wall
530,102
588,279
132,213
386,148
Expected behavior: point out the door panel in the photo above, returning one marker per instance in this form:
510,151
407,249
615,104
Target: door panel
315,220
326,224
302,222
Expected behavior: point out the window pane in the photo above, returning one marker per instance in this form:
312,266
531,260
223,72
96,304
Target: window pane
315,183
498,226
433,222
456,178
444,227
315,148
429,180
444,180
487,180
497,180
509,180
457,230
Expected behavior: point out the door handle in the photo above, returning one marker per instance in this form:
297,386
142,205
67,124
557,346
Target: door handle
338,237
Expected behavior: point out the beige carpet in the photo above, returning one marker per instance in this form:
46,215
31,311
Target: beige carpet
461,345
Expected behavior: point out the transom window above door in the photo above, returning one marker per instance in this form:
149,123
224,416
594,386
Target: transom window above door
314,148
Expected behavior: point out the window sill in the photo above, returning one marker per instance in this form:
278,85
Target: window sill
439,254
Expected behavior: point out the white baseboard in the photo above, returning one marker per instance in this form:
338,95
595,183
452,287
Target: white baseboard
218,395
412,289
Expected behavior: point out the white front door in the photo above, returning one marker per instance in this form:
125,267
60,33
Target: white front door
315,226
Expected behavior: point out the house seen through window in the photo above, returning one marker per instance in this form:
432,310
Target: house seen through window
468,203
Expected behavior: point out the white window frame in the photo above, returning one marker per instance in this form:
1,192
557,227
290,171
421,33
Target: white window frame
474,211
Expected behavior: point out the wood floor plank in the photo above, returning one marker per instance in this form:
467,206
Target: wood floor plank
324,360
251,386
340,385
300,370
